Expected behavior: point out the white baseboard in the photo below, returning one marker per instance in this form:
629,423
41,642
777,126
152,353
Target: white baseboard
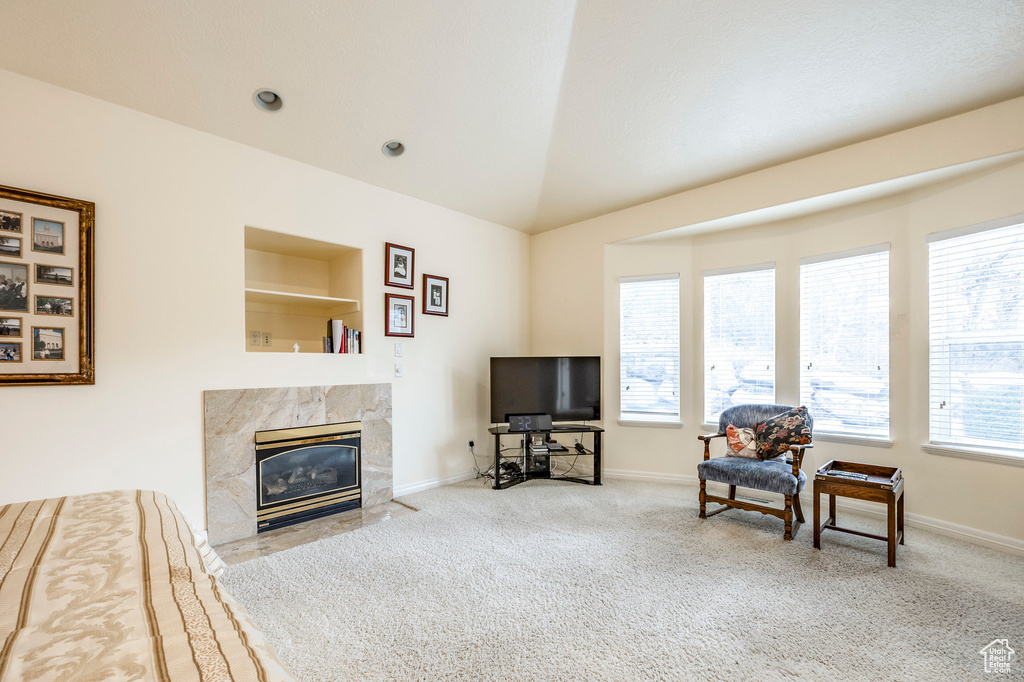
947,528
681,479
420,486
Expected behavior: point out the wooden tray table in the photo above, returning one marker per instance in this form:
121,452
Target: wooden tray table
883,484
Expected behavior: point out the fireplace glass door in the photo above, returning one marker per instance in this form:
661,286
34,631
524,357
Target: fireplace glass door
300,478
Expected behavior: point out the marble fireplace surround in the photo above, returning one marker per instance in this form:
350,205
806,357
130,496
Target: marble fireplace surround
232,418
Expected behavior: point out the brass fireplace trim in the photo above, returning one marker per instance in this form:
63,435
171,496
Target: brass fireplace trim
294,505
304,432
326,502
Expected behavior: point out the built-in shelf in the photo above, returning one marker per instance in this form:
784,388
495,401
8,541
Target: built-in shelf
304,300
278,267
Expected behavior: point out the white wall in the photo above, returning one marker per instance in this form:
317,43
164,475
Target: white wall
171,205
978,495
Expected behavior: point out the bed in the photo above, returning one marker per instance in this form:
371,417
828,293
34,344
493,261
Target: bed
117,586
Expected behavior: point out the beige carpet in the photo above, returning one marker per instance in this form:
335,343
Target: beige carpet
555,581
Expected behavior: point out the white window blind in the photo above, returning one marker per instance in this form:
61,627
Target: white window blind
739,339
649,348
976,338
844,341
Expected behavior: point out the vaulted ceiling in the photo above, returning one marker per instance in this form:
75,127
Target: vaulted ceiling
531,113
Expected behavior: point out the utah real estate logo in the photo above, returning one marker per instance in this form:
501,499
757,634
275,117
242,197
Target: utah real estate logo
997,656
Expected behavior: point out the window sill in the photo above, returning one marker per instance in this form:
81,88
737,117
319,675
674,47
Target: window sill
995,456
830,438
656,424
852,440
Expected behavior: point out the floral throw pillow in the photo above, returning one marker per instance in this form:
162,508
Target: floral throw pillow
775,435
742,442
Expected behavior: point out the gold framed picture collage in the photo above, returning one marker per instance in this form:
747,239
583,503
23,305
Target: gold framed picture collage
46,289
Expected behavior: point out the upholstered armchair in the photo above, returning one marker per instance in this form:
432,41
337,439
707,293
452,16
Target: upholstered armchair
781,475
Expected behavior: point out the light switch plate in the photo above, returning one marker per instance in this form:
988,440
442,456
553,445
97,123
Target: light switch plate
254,338
266,338
398,370
398,350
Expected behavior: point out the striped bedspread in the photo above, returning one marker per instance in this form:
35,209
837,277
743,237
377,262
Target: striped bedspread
112,586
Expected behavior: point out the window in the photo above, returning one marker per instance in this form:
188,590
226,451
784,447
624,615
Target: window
649,348
739,338
844,341
976,336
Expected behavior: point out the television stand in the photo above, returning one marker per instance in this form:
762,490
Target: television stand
523,459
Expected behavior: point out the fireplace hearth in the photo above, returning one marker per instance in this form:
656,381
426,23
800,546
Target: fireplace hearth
305,473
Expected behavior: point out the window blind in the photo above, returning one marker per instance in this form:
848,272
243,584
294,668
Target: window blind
844,341
739,339
976,338
649,348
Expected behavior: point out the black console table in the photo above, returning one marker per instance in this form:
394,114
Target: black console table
525,460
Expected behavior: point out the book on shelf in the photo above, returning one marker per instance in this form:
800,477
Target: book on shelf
342,339
337,335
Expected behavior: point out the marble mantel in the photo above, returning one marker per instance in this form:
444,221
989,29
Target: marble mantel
232,417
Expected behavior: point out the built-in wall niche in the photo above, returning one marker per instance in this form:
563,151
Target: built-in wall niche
294,286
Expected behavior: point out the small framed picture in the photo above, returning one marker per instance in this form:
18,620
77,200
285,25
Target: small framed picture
47,236
10,327
10,221
10,352
398,312
14,287
47,343
10,246
435,295
399,266
52,274
54,305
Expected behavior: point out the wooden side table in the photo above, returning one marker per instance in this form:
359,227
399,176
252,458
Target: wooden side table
882,484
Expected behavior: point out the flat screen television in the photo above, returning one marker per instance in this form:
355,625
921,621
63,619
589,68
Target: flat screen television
568,388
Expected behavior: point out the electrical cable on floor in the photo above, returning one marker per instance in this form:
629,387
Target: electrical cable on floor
476,466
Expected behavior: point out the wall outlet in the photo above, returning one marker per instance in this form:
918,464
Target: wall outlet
575,439
398,350
254,338
266,338
470,448
398,370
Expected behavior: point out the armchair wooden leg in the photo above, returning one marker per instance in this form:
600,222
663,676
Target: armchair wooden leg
797,509
788,518
703,502
732,492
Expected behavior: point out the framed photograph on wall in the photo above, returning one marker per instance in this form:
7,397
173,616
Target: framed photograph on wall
10,352
435,295
55,305
47,275
398,315
10,247
399,266
10,327
10,221
13,287
48,236
56,275
48,343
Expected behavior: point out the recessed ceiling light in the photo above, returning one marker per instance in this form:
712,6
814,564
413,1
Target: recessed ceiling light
393,148
267,100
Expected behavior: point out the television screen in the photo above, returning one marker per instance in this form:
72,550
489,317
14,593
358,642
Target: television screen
566,388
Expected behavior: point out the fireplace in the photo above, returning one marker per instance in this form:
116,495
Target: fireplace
305,473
